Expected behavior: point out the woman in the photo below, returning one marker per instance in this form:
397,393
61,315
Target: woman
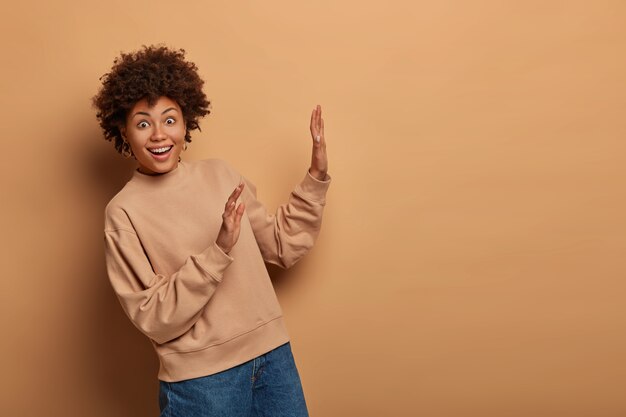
187,262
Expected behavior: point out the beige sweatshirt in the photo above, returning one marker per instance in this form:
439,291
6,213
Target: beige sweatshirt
205,311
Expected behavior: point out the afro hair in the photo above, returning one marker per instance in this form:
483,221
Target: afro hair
149,73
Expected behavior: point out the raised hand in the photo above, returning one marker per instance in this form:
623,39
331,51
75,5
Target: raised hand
319,160
231,221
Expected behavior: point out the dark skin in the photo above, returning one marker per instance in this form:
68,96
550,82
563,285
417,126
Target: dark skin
231,218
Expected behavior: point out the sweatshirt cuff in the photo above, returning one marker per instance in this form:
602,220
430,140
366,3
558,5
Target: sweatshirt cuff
310,188
213,261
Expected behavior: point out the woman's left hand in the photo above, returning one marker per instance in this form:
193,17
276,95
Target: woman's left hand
319,160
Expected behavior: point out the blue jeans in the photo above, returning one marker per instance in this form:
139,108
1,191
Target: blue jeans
268,385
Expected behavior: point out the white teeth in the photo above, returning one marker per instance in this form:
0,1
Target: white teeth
160,150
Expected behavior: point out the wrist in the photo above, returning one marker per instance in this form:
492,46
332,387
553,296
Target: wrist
320,175
222,248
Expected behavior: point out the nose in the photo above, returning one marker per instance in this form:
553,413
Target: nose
158,133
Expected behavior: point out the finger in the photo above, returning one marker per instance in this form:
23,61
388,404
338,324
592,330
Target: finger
319,116
313,123
228,210
239,212
315,129
237,189
235,194
319,138
234,217
229,203
231,198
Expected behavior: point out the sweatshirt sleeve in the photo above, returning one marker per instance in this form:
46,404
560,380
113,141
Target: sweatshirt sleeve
162,307
287,235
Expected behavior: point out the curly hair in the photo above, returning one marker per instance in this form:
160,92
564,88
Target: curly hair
149,73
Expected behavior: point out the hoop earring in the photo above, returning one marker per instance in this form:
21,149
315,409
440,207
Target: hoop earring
127,152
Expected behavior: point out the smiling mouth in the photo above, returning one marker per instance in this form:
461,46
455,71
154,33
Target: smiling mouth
161,151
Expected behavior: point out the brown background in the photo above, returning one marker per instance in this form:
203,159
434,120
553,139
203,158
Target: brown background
471,261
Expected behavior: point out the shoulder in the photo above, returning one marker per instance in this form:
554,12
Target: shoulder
116,217
116,211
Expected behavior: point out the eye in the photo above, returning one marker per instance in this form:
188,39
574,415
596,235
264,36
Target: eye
142,124
170,120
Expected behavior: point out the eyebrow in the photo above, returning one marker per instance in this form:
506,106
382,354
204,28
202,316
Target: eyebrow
148,114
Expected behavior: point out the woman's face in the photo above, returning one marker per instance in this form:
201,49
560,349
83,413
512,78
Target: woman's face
152,130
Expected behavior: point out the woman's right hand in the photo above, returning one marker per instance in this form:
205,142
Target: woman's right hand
231,221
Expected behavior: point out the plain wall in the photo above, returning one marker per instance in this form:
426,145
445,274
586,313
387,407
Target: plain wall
471,259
